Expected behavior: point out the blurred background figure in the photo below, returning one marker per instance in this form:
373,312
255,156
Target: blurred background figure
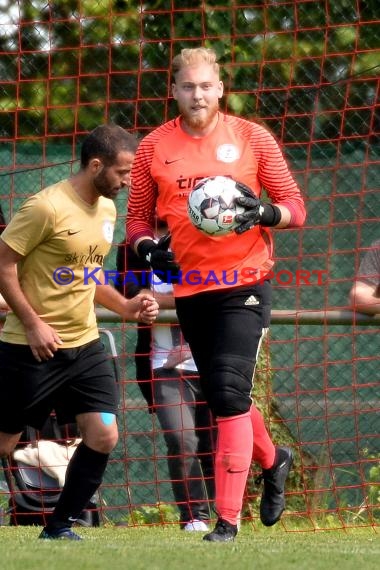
169,381
365,293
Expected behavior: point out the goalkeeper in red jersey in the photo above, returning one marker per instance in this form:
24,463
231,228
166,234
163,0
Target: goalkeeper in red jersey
223,323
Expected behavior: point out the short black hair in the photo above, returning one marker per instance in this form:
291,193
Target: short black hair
105,142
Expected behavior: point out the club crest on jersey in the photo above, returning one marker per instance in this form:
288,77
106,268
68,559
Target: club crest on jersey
227,153
108,231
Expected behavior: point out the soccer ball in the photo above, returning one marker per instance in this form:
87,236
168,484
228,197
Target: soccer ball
211,205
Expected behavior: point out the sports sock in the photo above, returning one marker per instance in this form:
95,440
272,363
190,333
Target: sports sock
232,462
83,477
263,447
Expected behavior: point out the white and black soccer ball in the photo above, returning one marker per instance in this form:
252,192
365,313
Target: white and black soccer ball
211,205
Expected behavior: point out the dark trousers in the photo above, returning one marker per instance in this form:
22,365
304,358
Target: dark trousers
224,329
189,434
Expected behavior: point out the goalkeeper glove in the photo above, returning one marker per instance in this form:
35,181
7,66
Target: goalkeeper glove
160,258
256,211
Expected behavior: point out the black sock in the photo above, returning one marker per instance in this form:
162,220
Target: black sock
83,477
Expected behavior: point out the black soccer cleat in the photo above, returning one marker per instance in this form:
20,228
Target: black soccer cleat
59,534
223,532
272,503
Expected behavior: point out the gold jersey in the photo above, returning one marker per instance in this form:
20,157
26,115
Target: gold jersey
63,241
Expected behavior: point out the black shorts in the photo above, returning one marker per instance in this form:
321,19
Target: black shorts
224,330
75,381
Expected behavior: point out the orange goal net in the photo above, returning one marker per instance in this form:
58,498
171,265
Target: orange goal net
310,71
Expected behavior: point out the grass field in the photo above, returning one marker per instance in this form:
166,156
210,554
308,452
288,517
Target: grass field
170,549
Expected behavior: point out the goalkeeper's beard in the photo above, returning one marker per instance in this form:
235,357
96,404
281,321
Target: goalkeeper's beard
196,122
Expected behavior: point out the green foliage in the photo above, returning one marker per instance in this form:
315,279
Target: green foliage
157,515
71,53
371,505
263,399
329,487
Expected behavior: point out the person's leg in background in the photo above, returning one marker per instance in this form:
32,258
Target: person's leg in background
175,409
206,431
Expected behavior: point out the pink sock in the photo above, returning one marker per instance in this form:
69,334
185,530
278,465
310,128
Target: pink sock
263,448
232,463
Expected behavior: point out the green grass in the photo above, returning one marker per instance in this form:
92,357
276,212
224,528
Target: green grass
168,548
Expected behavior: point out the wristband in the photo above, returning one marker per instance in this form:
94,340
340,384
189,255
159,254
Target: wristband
270,215
145,247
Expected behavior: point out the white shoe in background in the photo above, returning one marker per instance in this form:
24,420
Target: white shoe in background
196,525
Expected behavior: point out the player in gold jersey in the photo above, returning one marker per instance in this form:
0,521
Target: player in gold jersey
223,323
3,305
50,353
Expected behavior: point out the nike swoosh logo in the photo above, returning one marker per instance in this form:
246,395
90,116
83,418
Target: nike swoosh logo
71,233
171,161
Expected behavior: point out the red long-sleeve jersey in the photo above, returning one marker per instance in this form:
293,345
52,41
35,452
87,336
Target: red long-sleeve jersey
169,163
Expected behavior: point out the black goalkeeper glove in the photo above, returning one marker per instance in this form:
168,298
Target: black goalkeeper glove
160,259
257,212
